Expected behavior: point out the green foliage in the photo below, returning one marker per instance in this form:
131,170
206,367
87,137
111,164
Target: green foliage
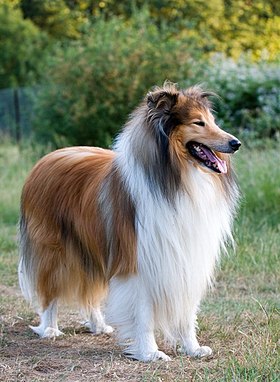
250,97
251,27
92,86
229,26
21,46
110,53
59,18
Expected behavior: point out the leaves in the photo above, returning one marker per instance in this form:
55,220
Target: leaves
21,47
93,86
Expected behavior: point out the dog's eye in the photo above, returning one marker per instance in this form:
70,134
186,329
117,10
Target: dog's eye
199,123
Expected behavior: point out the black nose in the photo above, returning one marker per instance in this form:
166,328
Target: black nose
235,144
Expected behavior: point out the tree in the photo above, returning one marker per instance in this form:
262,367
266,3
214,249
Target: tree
60,19
250,26
21,45
229,26
93,84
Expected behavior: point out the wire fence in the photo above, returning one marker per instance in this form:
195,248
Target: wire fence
16,112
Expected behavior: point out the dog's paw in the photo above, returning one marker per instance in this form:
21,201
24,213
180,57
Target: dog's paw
202,351
106,329
159,355
98,329
46,332
150,357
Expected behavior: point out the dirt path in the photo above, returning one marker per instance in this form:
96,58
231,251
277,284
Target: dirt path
78,356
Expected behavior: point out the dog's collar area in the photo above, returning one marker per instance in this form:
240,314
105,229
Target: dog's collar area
205,156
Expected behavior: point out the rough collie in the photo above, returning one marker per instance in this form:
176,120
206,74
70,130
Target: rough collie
136,230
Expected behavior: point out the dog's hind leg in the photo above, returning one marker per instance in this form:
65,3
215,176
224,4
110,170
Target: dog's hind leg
96,322
48,326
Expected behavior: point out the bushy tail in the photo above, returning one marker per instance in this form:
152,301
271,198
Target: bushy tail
26,271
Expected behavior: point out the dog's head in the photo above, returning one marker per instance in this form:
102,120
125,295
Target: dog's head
185,122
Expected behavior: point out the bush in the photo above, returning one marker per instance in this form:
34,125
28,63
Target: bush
22,45
93,85
250,97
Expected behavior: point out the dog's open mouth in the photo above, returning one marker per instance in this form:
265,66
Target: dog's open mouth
205,156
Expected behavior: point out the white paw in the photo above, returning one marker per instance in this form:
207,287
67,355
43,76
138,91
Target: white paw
150,357
106,329
46,332
159,355
202,351
95,329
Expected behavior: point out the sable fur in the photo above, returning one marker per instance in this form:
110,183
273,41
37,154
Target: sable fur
59,204
132,221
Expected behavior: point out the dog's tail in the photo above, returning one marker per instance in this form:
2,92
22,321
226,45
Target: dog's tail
26,271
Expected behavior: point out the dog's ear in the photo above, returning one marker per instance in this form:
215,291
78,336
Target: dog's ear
161,113
162,100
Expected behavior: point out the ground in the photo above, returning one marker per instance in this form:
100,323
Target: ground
240,331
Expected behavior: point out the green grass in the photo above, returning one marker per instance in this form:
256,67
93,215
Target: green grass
239,319
14,166
257,228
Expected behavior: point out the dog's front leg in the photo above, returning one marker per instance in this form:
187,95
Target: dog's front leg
130,310
190,345
144,346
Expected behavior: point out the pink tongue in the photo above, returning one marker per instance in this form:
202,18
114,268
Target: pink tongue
222,166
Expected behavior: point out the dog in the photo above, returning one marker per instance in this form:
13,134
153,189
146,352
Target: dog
136,230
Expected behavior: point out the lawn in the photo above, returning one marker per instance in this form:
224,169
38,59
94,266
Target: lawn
239,318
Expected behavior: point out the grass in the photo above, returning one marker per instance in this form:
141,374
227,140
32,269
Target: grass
239,319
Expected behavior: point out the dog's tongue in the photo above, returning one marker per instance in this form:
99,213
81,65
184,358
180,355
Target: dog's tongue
222,166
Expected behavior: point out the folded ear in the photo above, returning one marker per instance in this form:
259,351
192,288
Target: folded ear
162,100
161,115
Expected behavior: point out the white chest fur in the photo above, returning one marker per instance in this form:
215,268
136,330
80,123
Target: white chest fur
178,246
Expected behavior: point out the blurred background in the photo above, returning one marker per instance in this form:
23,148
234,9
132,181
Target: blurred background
72,70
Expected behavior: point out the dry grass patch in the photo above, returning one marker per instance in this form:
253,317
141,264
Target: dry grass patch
244,343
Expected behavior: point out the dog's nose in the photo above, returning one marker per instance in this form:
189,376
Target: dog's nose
235,144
